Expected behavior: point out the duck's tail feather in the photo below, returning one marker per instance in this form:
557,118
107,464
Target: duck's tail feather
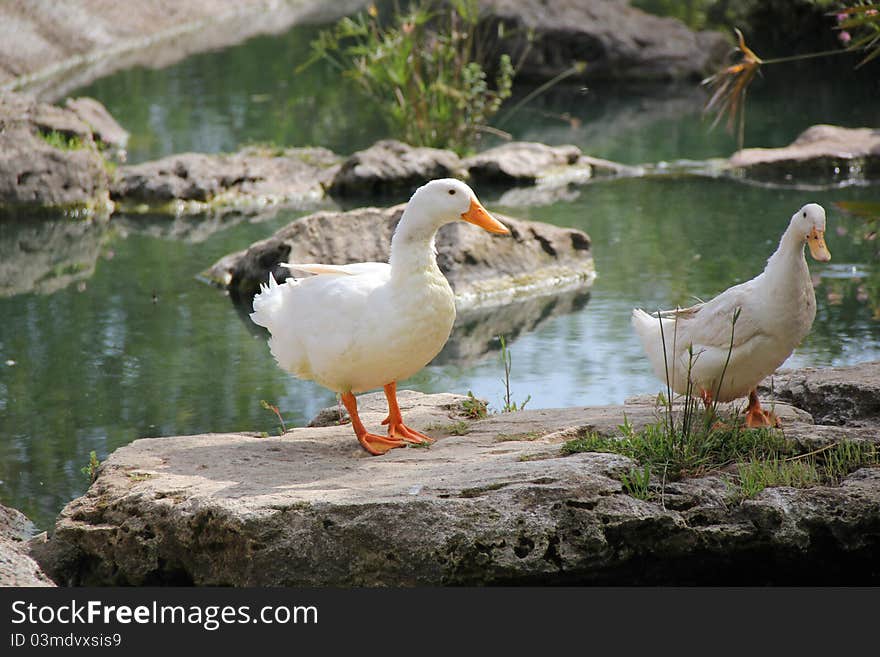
647,327
267,304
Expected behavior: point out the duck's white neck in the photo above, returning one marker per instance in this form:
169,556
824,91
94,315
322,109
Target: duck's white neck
412,249
789,256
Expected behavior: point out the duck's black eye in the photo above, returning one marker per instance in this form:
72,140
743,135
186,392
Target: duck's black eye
452,191
805,215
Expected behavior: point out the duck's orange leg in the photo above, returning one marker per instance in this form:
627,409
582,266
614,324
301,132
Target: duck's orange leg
756,416
396,427
372,442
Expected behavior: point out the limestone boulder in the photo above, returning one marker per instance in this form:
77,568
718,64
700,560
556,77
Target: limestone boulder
390,166
195,182
822,154
615,40
483,269
16,567
48,157
492,501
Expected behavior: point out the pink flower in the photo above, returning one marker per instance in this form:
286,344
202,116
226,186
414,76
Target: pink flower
845,37
842,17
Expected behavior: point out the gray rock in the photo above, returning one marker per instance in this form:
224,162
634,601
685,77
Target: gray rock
615,40
499,505
52,52
103,126
834,395
34,172
389,165
254,177
822,154
482,268
16,567
520,162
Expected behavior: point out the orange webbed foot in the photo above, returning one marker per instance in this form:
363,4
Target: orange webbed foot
378,445
757,417
403,432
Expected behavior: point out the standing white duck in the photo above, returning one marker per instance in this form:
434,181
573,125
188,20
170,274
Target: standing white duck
352,328
776,310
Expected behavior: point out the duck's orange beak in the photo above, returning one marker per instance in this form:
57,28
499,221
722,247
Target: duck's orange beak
816,240
478,216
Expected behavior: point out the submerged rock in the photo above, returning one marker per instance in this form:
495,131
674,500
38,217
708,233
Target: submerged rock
195,182
48,157
16,567
483,269
493,501
615,40
822,154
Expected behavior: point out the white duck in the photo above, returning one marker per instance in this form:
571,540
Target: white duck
776,311
356,327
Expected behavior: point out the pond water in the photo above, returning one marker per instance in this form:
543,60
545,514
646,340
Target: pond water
107,335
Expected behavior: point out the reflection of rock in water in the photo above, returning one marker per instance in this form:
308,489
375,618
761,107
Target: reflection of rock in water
476,330
44,256
192,229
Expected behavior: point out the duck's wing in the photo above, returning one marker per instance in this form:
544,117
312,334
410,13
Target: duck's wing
709,324
353,269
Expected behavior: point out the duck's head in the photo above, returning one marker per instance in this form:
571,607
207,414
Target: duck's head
446,200
810,222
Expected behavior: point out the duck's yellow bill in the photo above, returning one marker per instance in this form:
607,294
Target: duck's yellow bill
816,241
478,216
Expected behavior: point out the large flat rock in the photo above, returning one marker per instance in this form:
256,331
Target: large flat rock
483,269
499,504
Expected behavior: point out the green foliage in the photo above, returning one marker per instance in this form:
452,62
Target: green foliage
475,409
637,483
424,69
755,476
460,428
90,469
507,361
860,24
828,465
62,141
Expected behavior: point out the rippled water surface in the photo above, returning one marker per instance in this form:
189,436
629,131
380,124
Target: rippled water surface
108,336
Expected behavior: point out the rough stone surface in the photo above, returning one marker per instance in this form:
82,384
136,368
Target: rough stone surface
498,505
481,268
102,124
835,395
35,173
520,162
253,176
615,40
16,567
54,47
391,165
822,154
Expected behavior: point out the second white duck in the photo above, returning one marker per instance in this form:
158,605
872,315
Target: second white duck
775,312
